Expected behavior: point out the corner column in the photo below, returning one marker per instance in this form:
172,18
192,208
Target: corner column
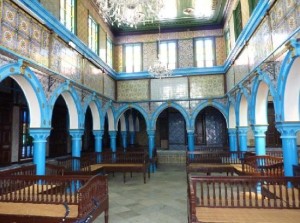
242,131
76,146
232,140
39,148
288,132
151,142
260,139
113,140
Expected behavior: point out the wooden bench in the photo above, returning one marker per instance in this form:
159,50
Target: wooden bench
244,199
49,199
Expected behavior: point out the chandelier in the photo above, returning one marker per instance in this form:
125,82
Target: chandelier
130,12
159,69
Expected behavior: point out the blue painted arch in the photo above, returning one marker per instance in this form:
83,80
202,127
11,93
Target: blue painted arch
165,105
221,108
33,92
73,104
239,100
95,105
108,110
126,107
288,65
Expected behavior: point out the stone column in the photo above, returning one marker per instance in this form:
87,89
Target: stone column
191,140
242,131
76,146
260,139
124,139
151,142
232,140
113,140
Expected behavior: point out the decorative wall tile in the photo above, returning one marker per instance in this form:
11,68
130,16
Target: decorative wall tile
230,79
149,54
169,88
206,86
82,20
177,131
93,77
241,68
185,53
220,51
109,87
134,90
118,59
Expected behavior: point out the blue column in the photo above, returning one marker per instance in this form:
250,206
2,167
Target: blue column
76,146
288,132
98,140
132,137
242,131
151,142
260,139
39,148
124,139
191,140
232,140
113,140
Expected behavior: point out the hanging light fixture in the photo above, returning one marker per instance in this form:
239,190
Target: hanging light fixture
130,12
159,69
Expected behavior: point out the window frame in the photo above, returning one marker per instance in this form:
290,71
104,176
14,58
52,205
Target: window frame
252,5
168,58
109,54
238,21
64,18
134,67
213,51
95,46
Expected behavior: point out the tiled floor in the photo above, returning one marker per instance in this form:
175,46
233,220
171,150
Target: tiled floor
163,199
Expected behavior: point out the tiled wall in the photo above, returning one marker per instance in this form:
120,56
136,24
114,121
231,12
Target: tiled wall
177,132
185,46
133,90
206,86
275,28
93,77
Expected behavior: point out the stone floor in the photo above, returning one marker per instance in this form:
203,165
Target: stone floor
163,199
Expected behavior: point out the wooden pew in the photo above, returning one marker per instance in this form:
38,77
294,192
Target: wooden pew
243,198
25,198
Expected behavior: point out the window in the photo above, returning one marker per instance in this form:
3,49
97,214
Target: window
109,52
168,53
227,42
133,57
93,35
26,142
205,52
237,16
67,14
252,5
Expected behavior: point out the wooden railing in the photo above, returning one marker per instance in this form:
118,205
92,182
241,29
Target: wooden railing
243,192
31,170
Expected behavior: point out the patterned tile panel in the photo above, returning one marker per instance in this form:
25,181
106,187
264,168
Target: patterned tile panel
206,86
134,90
230,79
241,68
149,54
118,58
185,53
82,21
52,6
169,88
220,51
93,77
176,131
109,87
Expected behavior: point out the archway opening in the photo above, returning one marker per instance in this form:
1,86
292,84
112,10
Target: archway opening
171,130
210,129
59,139
88,139
15,142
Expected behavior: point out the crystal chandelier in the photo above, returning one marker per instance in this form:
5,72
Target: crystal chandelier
159,69
130,12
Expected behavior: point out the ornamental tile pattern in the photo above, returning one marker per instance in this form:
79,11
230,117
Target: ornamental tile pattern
117,58
149,54
241,68
206,86
109,87
93,77
134,90
230,79
185,53
220,51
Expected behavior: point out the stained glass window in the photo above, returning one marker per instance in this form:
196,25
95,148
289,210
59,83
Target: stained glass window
133,57
109,52
237,15
205,52
93,35
67,14
168,53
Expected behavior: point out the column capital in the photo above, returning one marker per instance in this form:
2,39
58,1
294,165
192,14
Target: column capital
39,134
76,133
190,131
259,130
151,132
231,131
98,133
112,133
124,133
288,129
242,130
